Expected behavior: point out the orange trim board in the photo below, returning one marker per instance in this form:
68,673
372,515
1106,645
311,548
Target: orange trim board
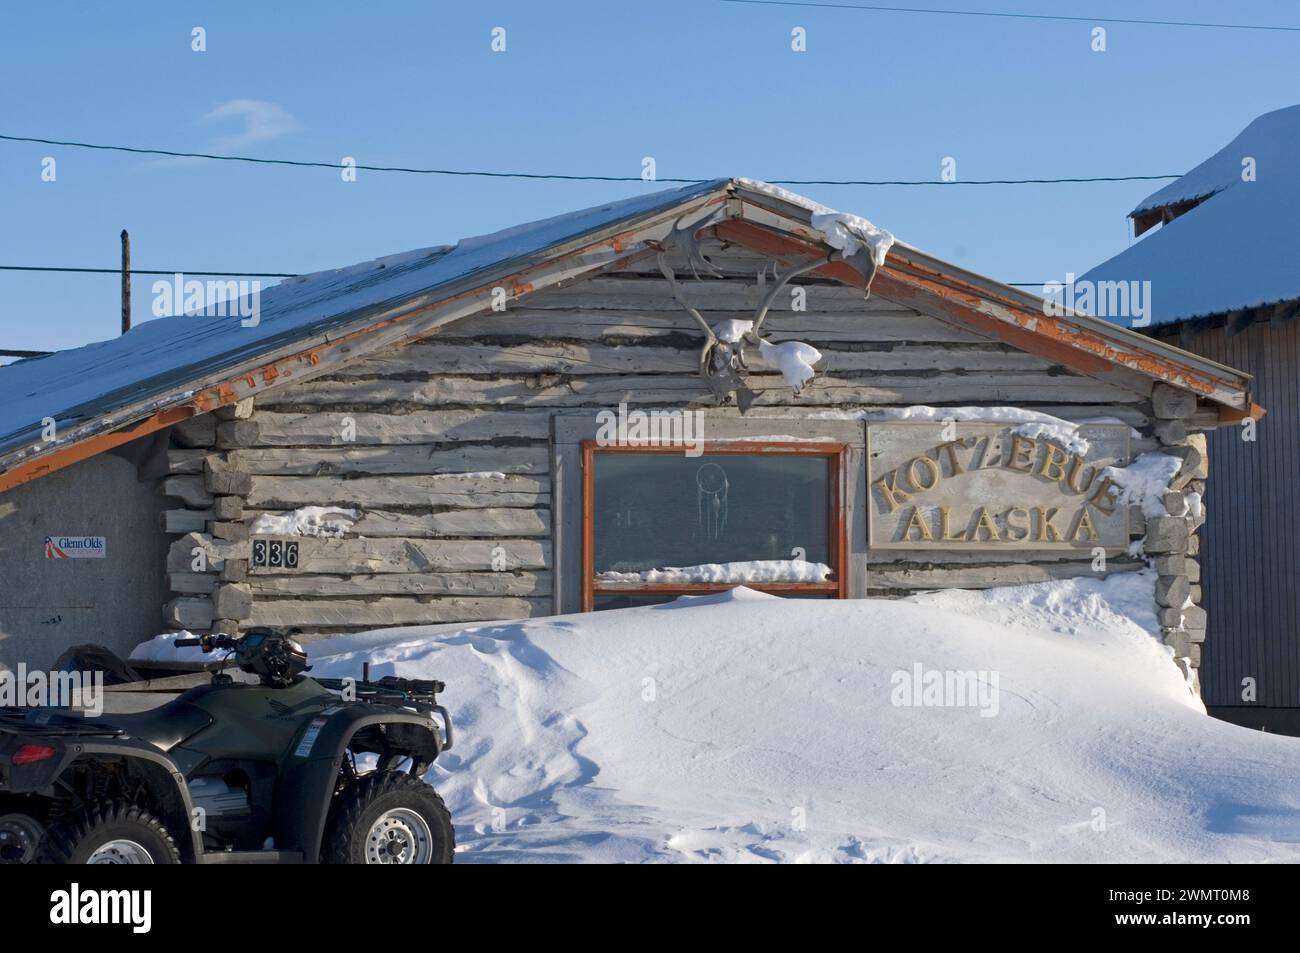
92,446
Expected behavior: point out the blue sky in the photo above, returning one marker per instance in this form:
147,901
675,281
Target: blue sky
706,88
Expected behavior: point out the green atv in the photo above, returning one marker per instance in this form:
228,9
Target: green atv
287,770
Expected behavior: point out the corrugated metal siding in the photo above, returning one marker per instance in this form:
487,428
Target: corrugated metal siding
1250,544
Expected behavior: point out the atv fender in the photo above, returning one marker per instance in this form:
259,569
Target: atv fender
170,794
312,770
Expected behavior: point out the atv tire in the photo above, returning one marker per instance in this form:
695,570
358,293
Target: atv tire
109,832
389,818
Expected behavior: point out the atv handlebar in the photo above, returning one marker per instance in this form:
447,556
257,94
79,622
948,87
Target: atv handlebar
208,643
274,657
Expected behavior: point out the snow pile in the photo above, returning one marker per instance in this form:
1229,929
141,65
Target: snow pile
162,648
743,727
1010,415
1064,434
843,231
759,570
328,521
1145,481
793,359
849,232
732,330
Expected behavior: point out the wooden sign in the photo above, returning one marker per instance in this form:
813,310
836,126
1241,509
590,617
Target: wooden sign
994,486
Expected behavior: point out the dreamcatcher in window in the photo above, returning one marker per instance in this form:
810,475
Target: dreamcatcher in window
711,500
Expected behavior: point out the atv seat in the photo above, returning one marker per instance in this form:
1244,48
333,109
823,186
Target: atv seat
163,727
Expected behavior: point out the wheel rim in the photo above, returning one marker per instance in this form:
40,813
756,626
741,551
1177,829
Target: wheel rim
19,835
399,836
121,851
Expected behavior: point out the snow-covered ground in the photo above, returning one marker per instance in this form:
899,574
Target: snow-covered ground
743,727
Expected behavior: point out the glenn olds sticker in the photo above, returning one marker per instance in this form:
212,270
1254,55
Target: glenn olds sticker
75,547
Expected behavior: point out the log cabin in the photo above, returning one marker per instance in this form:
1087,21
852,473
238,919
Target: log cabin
688,390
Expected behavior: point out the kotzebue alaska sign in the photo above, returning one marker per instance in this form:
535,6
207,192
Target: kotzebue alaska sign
986,486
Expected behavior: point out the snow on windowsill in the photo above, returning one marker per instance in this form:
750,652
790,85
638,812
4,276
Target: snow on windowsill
754,571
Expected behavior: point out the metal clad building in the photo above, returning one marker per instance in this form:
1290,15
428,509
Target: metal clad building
1224,279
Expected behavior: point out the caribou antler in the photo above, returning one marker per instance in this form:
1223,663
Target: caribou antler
710,339
719,360
760,313
689,236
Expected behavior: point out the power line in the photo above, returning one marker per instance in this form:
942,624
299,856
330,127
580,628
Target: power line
142,271
875,8
569,177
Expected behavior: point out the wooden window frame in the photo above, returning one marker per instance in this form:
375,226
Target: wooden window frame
836,453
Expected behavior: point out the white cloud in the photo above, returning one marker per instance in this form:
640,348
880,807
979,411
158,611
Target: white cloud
261,121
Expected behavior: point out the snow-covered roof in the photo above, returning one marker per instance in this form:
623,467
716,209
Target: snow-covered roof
153,357
1237,248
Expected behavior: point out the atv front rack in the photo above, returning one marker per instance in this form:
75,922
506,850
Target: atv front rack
416,693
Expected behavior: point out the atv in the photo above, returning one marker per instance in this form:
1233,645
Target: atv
280,769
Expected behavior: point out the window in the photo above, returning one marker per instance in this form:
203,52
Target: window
658,523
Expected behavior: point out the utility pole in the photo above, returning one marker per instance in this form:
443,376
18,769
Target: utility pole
126,282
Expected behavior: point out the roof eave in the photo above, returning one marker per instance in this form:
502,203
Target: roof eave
355,334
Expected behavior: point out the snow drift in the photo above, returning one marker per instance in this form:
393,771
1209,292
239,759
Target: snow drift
743,727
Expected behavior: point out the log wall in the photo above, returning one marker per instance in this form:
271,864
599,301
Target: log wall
445,447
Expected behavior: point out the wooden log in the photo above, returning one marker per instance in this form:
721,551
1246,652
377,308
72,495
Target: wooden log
391,611
192,583
185,461
231,532
228,507
189,489
593,324
422,584
490,522
986,577
351,556
233,601
446,490
185,521
653,294
271,429
221,480
198,552
189,612
477,523
239,410
447,357
770,390
383,460
197,431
